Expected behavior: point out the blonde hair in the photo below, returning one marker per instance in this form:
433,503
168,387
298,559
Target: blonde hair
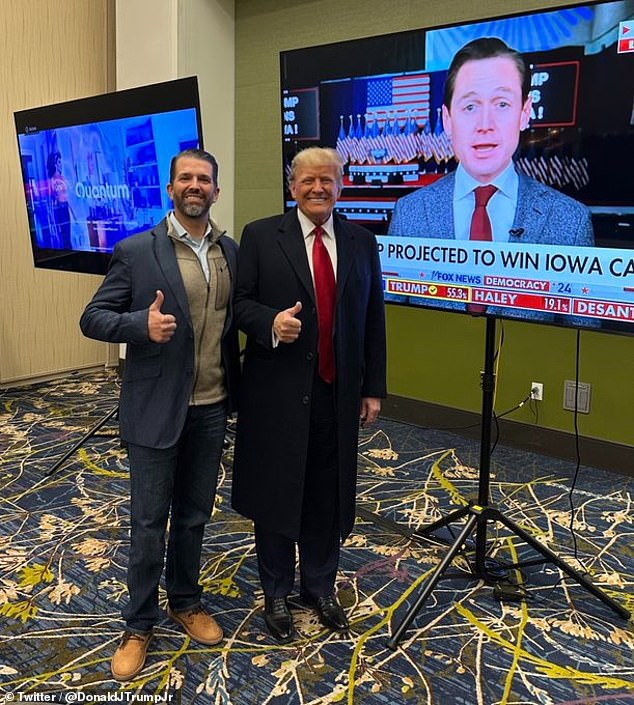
317,156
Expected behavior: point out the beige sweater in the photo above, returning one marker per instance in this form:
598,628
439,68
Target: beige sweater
208,308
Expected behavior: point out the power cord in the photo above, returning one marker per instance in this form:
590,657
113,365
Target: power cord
497,417
506,590
511,592
575,476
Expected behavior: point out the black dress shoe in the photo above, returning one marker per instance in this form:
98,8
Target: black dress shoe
278,619
330,612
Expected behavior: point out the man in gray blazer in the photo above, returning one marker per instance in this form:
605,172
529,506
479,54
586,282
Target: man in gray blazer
167,294
486,105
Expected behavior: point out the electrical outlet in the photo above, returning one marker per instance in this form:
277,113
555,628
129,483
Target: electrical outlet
537,391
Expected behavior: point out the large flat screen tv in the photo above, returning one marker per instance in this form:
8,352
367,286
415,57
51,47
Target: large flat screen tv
95,169
559,245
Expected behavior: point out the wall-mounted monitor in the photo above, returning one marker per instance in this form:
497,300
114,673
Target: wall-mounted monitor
95,169
559,149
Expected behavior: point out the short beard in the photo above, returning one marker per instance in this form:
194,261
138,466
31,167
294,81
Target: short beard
194,210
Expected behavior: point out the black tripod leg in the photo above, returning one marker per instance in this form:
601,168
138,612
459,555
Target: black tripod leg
81,442
445,521
568,570
432,581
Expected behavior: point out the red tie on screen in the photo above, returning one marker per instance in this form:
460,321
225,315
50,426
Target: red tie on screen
481,227
325,291
480,223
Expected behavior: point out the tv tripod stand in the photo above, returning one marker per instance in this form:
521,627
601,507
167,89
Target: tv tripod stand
93,431
480,514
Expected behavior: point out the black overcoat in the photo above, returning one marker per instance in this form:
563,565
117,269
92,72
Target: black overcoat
274,408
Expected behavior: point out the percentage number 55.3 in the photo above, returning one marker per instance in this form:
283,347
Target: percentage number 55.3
454,293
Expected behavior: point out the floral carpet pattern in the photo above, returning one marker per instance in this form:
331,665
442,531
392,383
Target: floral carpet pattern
63,553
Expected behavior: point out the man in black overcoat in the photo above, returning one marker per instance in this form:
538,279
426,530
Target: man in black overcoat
303,398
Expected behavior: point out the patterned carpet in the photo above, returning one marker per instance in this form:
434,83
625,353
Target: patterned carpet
63,552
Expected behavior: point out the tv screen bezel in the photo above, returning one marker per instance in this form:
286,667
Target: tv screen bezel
354,44
140,101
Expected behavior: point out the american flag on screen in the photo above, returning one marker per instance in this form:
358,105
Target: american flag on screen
399,94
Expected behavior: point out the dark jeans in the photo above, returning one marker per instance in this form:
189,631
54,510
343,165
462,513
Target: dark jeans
179,483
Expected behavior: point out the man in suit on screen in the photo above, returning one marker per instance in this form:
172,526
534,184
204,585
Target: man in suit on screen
486,105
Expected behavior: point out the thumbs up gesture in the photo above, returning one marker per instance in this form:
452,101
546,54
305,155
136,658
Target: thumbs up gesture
286,327
160,326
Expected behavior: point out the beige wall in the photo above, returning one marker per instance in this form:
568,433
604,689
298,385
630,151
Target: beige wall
206,48
57,51
144,57
188,38
432,356
52,52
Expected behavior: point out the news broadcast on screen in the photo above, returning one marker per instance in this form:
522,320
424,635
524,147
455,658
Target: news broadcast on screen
559,246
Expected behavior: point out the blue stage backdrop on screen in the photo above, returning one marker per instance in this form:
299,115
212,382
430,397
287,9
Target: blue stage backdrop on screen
95,170
560,247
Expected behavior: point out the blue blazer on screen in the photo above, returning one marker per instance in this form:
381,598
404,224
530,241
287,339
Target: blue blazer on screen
543,216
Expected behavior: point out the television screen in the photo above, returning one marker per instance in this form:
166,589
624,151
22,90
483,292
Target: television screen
95,169
539,107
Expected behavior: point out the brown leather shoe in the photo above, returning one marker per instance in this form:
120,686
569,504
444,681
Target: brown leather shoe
200,626
129,658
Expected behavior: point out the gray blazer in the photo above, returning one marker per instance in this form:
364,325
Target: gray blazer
158,378
543,216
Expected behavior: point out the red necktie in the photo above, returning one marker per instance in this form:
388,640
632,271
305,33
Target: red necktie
480,223
481,227
325,292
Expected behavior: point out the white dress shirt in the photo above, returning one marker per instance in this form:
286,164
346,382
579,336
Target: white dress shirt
501,208
329,241
328,238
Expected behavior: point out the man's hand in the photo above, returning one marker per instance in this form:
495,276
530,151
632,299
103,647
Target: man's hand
370,408
160,326
285,326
